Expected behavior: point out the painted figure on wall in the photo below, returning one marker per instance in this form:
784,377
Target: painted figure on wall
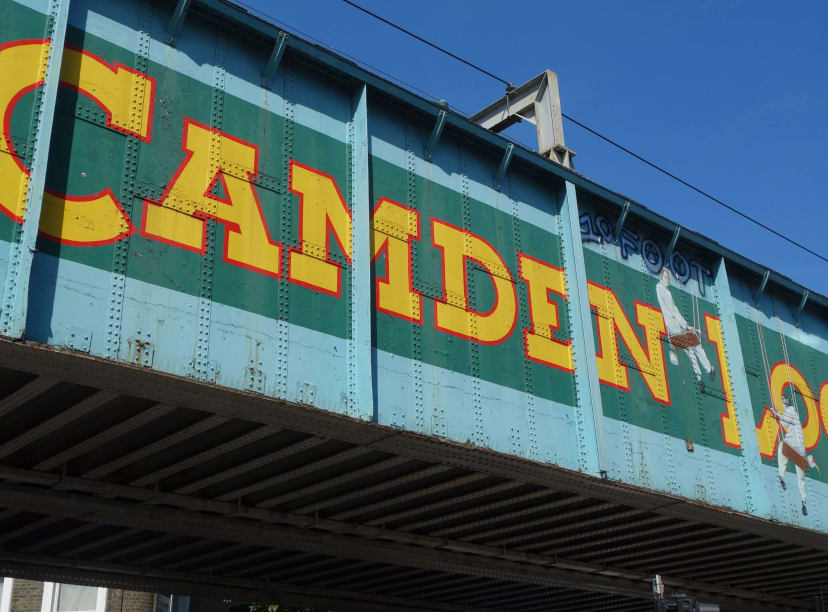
681,335
792,446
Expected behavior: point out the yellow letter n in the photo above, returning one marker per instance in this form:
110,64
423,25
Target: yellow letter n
611,318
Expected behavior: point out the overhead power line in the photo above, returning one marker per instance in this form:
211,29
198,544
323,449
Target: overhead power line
428,42
606,139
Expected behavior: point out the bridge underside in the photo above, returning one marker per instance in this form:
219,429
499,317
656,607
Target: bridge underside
119,476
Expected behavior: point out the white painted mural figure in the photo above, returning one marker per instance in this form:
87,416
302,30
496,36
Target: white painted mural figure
682,335
794,438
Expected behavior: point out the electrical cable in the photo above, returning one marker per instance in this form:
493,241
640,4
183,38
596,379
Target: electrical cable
322,43
606,139
694,188
429,43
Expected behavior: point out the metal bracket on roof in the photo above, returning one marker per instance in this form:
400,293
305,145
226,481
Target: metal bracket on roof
435,134
620,225
669,253
761,288
504,165
801,306
275,58
537,101
177,19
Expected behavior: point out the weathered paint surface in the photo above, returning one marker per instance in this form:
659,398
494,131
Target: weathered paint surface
202,225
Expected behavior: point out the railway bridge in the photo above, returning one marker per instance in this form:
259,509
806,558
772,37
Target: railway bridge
275,329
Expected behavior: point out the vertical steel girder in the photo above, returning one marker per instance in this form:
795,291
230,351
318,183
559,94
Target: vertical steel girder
504,165
669,252
750,459
801,307
625,211
588,408
360,369
21,254
761,288
435,135
275,59
177,19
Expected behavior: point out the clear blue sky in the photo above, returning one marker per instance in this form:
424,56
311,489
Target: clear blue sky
731,96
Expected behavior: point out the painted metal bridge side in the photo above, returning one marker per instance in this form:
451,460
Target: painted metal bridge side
311,241
234,206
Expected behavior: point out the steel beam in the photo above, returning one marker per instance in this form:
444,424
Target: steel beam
750,460
588,540
604,535
22,248
761,288
179,13
541,533
26,393
433,585
498,566
793,569
275,59
377,577
285,451
406,579
504,165
360,355
237,559
290,573
723,560
163,554
345,567
469,512
531,525
202,457
68,534
307,468
671,247
9,536
85,406
706,558
536,101
801,307
142,383
291,558
700,546
122,551
382,464
358,509
193,524
625,211
109,434
588,410
436,132
769,564
122,533
193,561
517,516
150,449
491,591
521,595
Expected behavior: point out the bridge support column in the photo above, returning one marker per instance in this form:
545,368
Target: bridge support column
21,255
751,462
588,410
360,358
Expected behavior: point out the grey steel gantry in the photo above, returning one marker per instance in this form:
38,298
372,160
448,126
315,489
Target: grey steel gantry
538,102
